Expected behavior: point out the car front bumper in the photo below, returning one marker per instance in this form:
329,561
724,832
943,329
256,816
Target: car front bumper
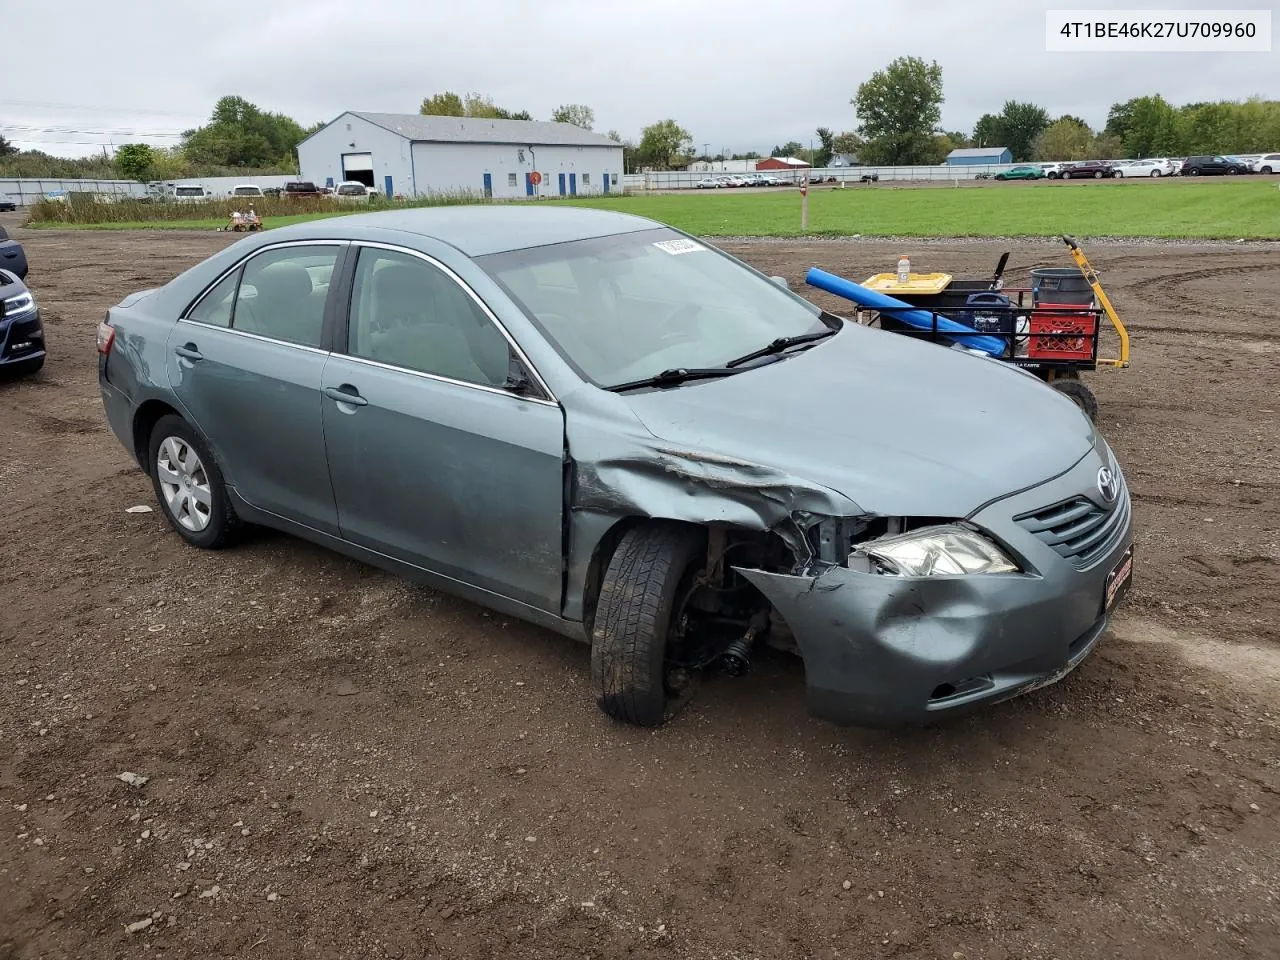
884,651
21,339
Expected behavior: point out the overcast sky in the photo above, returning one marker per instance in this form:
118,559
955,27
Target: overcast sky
743,75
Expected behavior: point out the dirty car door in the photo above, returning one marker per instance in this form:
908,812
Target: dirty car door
245,364
434,462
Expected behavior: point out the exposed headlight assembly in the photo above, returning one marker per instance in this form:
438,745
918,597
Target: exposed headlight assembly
940,551
23,303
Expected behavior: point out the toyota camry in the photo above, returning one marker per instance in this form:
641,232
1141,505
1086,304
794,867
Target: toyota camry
610,428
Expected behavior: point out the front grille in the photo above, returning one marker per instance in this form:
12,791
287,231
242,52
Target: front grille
1078,529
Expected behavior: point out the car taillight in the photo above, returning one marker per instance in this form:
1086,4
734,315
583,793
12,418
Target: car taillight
106,337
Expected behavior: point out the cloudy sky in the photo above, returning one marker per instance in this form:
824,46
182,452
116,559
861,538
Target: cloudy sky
740,75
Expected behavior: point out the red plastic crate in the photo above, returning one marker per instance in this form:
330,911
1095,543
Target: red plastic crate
1065,318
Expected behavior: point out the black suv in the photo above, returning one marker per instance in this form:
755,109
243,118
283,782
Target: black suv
302,188
1212,166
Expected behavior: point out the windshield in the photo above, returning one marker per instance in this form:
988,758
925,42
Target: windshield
351,188
190,192
626,307
247,192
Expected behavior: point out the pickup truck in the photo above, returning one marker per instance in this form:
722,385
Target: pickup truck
302,188
12,257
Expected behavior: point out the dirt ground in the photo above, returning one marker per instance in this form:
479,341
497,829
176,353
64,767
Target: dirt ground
344,765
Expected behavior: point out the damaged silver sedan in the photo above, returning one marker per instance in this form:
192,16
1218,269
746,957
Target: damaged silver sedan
604,426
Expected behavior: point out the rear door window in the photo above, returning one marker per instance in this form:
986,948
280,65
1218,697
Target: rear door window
283,293
215,307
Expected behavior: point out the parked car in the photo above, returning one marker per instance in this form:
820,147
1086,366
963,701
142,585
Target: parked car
769,180
708,183
298,189
1267,163
352,189
1052,170
1157,167
247,190
7,203
1090,168
1021,173
12,257
652,478
272,191
188,193
22,348
1205,166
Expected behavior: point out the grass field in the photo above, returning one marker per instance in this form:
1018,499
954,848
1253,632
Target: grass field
1230,209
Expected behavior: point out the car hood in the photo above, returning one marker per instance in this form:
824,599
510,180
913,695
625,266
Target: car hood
900,426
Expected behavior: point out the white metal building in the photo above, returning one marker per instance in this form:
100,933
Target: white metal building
412,155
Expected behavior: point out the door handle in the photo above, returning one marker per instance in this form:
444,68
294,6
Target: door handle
346,394
188,351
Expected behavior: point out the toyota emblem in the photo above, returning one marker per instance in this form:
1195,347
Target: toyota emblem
1107,485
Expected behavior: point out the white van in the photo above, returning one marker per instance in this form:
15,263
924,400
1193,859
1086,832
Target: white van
187,193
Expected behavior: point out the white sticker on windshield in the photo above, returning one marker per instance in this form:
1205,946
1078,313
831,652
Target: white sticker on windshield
677,247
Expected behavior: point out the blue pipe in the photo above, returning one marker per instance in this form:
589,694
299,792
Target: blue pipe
912,316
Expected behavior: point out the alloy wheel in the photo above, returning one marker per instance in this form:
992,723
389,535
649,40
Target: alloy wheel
184,484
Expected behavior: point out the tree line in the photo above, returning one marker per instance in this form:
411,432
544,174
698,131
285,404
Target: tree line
897,112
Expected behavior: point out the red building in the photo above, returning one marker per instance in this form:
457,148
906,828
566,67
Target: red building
781,163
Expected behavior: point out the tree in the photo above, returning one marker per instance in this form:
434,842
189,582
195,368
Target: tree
1118,118
449,104
1107,147
7,149
898,109
579,114
135,160
847,142
1066,139
1020,124
958,138
614,136
664,144
240,134
792,148
1152,127
827,139
987,132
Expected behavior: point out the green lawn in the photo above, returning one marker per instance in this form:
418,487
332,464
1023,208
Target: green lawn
1230,209
1218,209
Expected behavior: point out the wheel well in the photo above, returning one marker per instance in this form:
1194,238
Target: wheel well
770,552
144,421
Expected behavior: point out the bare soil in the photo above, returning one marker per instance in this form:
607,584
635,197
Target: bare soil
344,765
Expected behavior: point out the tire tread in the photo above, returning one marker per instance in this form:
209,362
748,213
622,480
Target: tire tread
632,619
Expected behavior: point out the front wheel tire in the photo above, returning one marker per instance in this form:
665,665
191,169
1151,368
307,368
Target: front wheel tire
635,617
189,485
1078,394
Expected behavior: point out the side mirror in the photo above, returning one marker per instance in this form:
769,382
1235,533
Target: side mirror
782,282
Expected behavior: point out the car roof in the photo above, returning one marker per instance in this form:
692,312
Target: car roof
476,230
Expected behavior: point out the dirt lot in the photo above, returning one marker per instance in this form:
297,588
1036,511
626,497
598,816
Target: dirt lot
344,765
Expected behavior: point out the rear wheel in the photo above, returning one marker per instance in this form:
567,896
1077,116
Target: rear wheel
636,615
1066,176
1098,175
1193,172
189,485
1079,394
1155,173
1265,170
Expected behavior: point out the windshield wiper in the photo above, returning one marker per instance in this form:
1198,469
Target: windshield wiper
675,376
782,343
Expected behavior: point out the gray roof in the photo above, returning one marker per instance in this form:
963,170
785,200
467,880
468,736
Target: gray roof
415,126
977,152
478,229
